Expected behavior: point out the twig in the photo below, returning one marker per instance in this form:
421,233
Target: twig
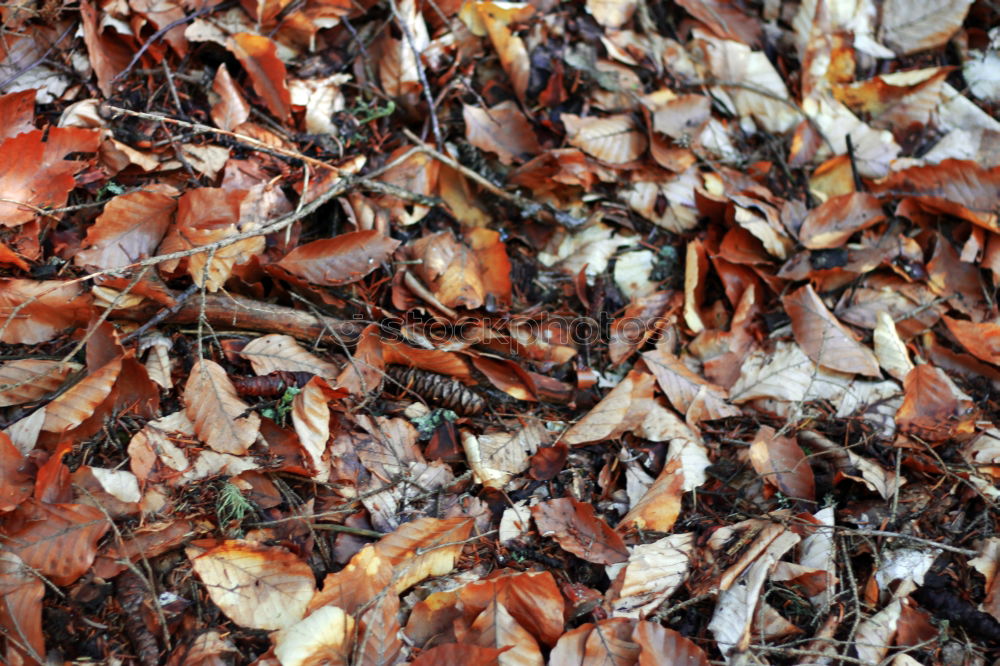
162,314
528,207
421,74
34,63
207,129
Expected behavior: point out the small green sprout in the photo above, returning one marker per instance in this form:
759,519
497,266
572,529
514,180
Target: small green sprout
231,505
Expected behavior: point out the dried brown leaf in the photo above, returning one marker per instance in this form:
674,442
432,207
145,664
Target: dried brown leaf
129,229
270,353
577,528
340,260
58,540
80,402
256,586
661,645
502,129
216,411
782,463
29,379
823,338
614,139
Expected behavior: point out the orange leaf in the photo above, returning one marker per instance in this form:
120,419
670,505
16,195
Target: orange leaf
424,547
216,410
59,540
782,463
659,507
78,403
823,338
578,529
981,339
340,260
432,360
259,57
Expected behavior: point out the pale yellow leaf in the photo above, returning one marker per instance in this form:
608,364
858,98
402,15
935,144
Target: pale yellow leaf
270,353
256,586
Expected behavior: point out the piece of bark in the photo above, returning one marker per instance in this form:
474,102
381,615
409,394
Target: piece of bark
236,312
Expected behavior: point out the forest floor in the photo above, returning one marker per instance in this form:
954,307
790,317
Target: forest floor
447,332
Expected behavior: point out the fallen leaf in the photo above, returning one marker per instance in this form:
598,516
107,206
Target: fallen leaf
824,338
579,530
217,412
256,586
340,260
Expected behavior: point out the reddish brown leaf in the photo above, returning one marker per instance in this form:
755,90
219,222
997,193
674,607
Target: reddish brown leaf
341,260
231,110
17,113
578,529
930,408
259,57
503,130
16,482
34,174
432,360
548,461
59,540
782,463
836,220
824,339
496,628
532,598
725,20
108,56
459,653
130,228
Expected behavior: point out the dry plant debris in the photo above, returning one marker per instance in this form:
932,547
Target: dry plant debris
476,332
